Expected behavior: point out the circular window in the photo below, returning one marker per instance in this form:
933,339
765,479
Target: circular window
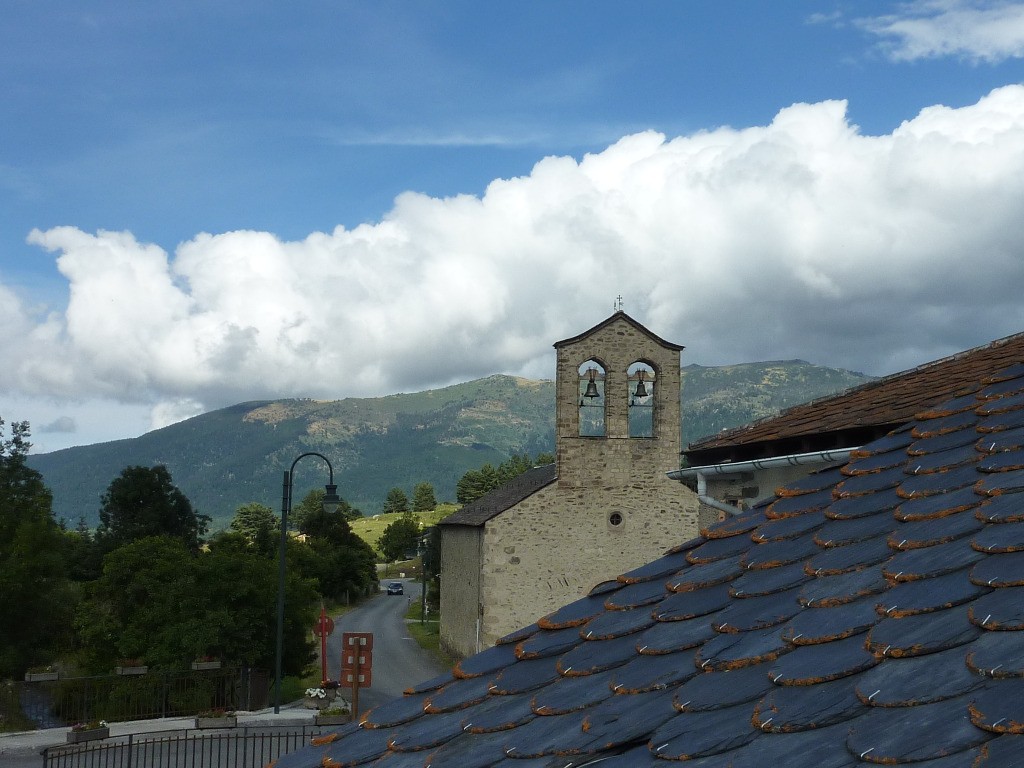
615,519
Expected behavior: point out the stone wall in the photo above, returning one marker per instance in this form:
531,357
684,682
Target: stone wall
460,588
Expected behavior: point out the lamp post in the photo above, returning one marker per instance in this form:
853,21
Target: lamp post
331,502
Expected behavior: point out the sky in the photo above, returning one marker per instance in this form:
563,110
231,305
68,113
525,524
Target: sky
206,202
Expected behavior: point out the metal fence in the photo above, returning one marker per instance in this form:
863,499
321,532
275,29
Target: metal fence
56,703
249,747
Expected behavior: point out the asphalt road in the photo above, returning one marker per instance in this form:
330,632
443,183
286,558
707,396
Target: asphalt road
398,661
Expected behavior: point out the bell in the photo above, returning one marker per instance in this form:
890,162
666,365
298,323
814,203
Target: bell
641,390
591,390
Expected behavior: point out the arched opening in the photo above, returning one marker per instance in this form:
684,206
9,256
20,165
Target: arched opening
591,399
641,380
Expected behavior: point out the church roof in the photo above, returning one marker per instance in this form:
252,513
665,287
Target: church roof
870,613
617,316
504,497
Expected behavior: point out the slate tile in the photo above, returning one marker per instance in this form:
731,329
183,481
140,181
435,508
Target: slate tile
928,562
735,526
625,719
918,680
570,694
863,485
430,685
997,654
1001,483
921,634
839,533
637,757
725,688
458,695
823,479
357,747
1000,422
1002,509
1007,379
426,732
908,734
852,557
816,748
934,427
468,751
746,614
548,735
575,614
795,506
645,673
863,506
603,588
931,531
787,528
397,711
671,636
897,440
486,662
823,625
942,443
814,664
1002,752
967,401
938,505
548,643
775,554
826,591
1006,440
732,651
499,713
876,463
701,576
943,461
1006,461
690,735
768,582
718,549
635,595
938,482
786,708
593,656
999,707
1000,609
513,638
656,570
525,676
687,605
1000,570
928,595
613,624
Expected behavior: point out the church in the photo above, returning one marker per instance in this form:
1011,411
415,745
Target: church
604,507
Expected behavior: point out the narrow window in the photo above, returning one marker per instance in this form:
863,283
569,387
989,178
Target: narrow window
640,380
592,400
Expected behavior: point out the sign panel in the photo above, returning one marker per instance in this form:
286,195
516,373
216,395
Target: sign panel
365,677
348,660
352,639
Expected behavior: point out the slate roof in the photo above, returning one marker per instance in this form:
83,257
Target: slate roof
496,501
860,414
869,613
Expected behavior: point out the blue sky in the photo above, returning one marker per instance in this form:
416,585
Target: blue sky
203,202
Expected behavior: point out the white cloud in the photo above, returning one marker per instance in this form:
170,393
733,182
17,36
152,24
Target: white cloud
976,30
802,238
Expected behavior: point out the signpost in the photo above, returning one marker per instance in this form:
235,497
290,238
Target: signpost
323,627
356,664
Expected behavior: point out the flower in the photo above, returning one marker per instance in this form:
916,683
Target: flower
89,725
316,693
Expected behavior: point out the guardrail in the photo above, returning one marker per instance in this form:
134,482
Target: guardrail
63,702
243,747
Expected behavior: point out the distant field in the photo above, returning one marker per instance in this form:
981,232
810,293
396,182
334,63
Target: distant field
370,528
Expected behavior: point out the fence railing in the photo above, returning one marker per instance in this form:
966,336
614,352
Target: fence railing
248,747
56,703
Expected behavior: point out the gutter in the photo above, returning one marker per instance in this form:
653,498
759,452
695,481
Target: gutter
728,468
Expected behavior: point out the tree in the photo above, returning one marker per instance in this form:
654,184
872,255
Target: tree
256,522
396,501
312,503
35,597
476,483
423,499
342,563
142,502
399,538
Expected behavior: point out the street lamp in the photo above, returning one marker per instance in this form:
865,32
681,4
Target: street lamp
330,504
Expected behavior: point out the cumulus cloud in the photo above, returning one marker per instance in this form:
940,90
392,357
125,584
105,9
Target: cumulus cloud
975,30
801,238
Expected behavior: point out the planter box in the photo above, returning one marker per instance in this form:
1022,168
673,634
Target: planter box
131,670
216,722
331,719
38,677
203,665
77,737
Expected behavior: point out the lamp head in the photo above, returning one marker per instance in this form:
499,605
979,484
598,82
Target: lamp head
331,498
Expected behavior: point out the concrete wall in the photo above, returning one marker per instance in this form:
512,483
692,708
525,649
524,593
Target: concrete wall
460,588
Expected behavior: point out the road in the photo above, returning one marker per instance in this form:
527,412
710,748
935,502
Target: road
398,661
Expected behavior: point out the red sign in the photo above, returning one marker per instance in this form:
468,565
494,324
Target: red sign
348,659
365,677
357,659
352,639
324,626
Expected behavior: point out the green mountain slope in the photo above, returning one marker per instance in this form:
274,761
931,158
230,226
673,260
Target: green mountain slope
238,454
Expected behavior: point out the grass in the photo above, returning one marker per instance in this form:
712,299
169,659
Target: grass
369,529
428,634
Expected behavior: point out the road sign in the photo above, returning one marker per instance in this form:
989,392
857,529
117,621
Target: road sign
349,660
365,677
324,626
363,639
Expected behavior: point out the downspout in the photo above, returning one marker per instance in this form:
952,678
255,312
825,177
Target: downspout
728,468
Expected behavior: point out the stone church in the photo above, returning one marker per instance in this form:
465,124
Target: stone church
604,507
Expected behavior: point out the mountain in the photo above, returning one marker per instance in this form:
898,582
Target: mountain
238,454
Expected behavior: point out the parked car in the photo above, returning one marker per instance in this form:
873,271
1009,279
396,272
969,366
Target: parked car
396,588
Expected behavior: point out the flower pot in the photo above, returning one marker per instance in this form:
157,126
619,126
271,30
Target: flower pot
137,670
90,734
331,719
203,665
38,677
217,722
